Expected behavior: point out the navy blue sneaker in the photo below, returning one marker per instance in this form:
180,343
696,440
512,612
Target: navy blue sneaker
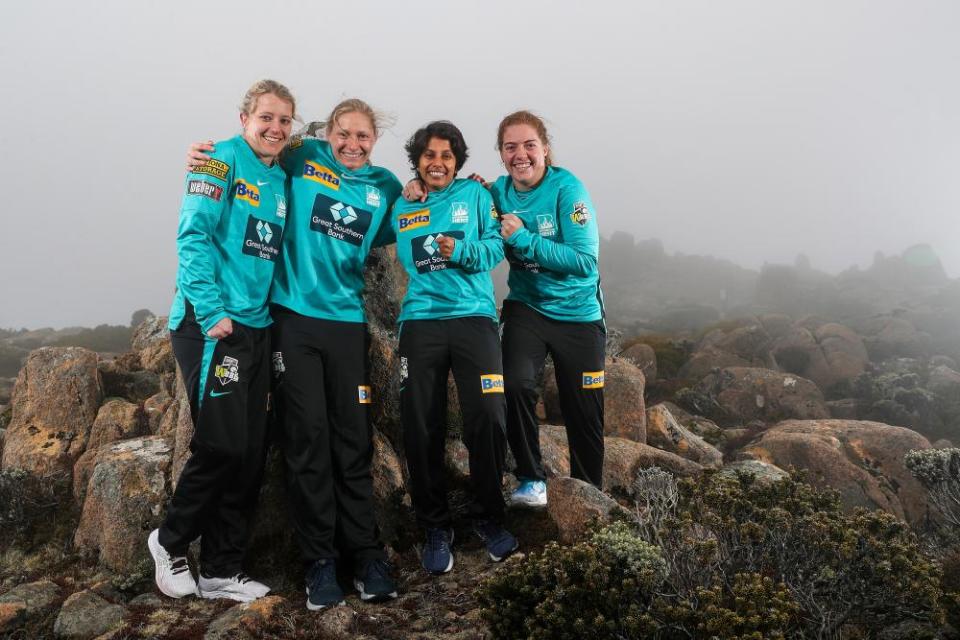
374,582
500,542
436,556
323,590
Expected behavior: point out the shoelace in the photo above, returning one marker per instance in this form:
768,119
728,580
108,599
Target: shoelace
243,578
179,565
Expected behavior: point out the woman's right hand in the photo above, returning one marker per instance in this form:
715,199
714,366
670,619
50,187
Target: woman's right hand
476,177
197,154
222,329
414,190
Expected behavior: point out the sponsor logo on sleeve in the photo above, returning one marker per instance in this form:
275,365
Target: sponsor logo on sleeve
491,383
580,214
545,226
205,189
413,220
459,214
214,168
281,206
373,196
364,396
323,175
340,221
227,371
247,192
262,239
593,379
494,213
426,252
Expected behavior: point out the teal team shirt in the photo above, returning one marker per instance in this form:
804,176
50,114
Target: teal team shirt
229,237
438,288
336,216
553,257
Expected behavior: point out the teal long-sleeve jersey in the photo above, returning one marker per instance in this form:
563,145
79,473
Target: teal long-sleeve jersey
439,288
553,257
229,237
336,215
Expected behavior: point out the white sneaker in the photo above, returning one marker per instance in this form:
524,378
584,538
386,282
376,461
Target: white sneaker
530,493
240,587
172,573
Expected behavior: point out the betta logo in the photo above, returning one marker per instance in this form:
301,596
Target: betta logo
593,379
491,383
413,220
248,192
319,173
363,394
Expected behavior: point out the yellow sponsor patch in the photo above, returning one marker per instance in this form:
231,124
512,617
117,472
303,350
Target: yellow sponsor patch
494,213
321,174
248,192
413,220
491,383
593,379
364,394
213,168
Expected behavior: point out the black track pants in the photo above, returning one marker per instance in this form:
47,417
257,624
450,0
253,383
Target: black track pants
577,349
323,400
217,491
429,350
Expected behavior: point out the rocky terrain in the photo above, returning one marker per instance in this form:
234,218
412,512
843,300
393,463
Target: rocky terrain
92,445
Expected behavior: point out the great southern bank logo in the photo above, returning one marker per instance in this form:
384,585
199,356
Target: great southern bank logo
343,213
264,231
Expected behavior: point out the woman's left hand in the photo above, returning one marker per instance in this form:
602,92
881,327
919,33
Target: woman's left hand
446,244
509,223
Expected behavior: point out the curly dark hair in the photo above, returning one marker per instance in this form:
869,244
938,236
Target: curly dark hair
442,129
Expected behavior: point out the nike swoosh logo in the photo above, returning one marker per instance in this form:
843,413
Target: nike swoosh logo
217,394
260,184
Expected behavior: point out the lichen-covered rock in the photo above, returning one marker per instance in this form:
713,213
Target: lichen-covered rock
85,615
244,621
125,499
624,458
860,459
742,394
944,382
117,419
665,432
763,472
154,409
844,351
152,340
624,415
134,384
11,615
389,492
573,504
54,403
644,357
26,600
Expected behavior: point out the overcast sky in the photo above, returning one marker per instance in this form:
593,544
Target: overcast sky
750,130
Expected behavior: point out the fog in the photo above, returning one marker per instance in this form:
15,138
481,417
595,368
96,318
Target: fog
749,130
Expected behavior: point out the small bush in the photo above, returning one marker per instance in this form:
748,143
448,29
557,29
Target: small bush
938,470
30,510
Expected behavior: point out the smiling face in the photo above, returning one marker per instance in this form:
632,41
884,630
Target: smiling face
437,165
351,138
524,155
267,127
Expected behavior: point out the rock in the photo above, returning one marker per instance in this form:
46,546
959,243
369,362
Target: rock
389,492
706,360
796,351
665,432
892,336
117,419
125,499
227,626
152,340
573,504
624,458
338,623
944,381
34,596
55,402
844,351
703,427
135,385
177,424
151,600
11,615
644,357
764,472
845,409
85,615
154,409
82,470
946,361
862,460
623,404
554,451
742,394
385,371
457,462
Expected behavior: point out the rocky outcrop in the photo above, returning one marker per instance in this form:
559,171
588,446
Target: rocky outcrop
624,458
862,460
117,419
25,601
85,615
892,336
243,621
665,432
738,395
573,504
151,339
54,404
644,357
125,498
624,415
763,472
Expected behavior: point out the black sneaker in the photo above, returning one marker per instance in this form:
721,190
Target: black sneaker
436,556
323,590
375,583
500,542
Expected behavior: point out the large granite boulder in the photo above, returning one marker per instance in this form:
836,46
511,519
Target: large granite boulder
739,395
151,339
573,504
644,357
125,498
665,432
862,460
85,615
54,404
623,459
117,419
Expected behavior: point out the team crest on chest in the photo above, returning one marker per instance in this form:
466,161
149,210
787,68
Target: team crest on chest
459,214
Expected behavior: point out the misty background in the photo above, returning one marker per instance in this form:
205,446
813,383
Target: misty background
751,131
